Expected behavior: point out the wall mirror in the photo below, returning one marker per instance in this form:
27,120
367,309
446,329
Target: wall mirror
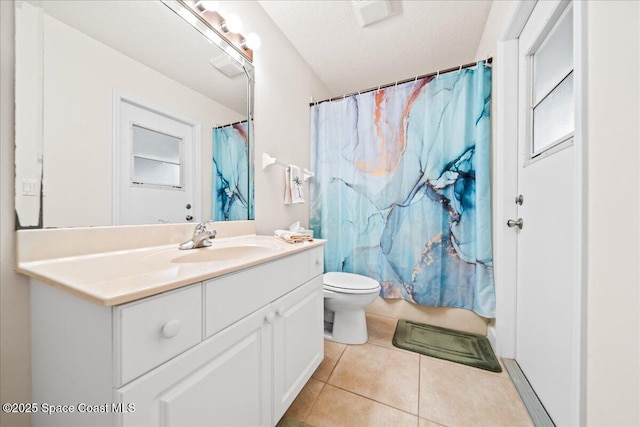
119,105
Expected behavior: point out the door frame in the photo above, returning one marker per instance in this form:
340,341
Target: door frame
505,187
196,136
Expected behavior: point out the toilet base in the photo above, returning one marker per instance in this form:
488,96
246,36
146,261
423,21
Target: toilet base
349,327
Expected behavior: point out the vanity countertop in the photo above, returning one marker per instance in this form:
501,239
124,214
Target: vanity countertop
118,277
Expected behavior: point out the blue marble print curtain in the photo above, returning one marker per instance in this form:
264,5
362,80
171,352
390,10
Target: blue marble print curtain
402,188
232,192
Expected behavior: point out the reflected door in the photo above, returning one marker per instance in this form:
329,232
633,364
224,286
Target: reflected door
155,168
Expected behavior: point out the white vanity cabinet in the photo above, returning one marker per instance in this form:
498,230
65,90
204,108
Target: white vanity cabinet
231,351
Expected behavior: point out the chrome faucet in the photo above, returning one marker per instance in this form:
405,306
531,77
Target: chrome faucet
201,237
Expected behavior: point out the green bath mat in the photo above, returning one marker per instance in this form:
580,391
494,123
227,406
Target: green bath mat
455,346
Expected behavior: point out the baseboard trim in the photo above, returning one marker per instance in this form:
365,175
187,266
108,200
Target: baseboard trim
536,410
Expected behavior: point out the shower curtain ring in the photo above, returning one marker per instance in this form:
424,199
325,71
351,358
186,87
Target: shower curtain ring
459,69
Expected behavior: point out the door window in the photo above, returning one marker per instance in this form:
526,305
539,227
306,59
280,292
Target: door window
157,159
552,106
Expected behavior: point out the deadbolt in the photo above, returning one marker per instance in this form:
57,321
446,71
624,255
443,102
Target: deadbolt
188,206
512,223
519,200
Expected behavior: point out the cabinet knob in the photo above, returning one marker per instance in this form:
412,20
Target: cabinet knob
318,262
171,328
280,311
270,317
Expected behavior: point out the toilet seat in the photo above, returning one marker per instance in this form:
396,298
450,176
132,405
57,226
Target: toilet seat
349,283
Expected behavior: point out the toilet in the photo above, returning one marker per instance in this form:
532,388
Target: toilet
346,295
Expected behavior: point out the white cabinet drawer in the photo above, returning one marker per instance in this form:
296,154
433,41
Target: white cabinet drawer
151,331
234,296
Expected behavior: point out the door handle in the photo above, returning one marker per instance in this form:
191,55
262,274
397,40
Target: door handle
512,223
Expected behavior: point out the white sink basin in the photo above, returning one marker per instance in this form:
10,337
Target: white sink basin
225,253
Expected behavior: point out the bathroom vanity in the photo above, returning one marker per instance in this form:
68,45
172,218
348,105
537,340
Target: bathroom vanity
234,346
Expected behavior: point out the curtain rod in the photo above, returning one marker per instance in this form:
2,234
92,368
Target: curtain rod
230,124
448,70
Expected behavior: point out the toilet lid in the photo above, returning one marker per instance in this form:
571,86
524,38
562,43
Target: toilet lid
349,283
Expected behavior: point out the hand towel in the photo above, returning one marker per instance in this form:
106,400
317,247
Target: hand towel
293,236
293,185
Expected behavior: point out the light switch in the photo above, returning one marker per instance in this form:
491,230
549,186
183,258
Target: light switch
30,187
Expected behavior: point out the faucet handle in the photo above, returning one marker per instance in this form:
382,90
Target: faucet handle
202,227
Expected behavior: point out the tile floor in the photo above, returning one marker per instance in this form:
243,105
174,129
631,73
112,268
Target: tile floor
377,384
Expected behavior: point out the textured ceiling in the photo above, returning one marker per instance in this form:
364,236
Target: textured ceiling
425,36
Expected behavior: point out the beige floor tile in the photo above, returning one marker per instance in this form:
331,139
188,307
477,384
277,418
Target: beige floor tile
452,394
381,330
385,375
332,353
305,400
336,408
426,423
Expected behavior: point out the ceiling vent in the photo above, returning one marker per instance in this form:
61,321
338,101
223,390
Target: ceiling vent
371,11
226,66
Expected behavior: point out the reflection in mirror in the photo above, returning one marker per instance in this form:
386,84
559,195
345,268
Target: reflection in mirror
157,158
92,77
230,154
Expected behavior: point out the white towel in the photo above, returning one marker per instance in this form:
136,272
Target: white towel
293,185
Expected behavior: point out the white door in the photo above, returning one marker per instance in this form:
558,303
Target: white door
547,253
154,168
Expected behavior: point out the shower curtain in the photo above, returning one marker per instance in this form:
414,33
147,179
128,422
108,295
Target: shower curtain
232,194
402,188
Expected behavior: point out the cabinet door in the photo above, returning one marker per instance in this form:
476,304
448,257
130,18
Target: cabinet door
298,342
224,381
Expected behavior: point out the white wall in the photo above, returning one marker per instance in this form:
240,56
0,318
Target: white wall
284,85
613,344
498,15
78,94
15,348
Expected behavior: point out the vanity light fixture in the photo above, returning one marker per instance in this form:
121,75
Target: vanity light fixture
252,41
210,6
205,17
232,24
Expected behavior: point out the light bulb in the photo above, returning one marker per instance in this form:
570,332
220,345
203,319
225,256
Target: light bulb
210,6
232,24
252,41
